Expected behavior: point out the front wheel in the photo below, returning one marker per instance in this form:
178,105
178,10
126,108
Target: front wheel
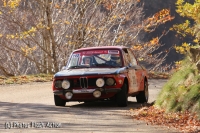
143,96
121,97
58,101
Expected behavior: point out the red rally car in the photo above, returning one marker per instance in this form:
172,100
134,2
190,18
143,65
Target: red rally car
101,73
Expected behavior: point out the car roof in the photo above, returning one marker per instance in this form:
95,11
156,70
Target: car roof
101,47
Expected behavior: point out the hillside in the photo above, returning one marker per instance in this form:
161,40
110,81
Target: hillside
182,91
178,104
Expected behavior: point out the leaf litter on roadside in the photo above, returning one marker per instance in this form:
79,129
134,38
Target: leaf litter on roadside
183,121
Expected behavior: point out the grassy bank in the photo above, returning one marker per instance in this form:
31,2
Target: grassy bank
182,91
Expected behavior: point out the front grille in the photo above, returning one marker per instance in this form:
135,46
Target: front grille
92,82
83,82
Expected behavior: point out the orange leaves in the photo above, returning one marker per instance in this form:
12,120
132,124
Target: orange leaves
184,121
110,4
137,47
149,54
57,6
107,4
157,19
154,41
162,14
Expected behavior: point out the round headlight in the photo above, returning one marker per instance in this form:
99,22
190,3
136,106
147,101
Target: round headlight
65,84
68,95
97,93
110,81
100,82
58,84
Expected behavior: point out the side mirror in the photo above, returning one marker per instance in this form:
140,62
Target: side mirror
63,68
129,65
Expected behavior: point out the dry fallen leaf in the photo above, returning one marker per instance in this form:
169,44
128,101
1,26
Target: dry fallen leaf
184,121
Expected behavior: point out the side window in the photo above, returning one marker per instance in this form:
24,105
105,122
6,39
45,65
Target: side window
74,59
132,57
127,60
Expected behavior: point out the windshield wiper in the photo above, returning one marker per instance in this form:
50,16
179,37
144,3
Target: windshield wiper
73,67
80,66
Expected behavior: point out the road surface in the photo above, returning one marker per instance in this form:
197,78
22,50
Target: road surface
30,108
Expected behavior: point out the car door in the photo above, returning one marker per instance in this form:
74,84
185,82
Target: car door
138,70
132,78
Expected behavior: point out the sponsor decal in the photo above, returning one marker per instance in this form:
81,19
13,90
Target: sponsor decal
95,52
89,52
76,55
113,51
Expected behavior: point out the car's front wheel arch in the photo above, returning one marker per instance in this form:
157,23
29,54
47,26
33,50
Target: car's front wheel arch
59,101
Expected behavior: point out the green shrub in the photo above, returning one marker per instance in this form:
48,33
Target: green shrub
176,95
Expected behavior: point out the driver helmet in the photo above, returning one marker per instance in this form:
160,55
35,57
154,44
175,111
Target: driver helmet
115,58
87,59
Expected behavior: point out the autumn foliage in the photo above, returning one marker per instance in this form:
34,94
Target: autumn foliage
183,121
178,103
41,34
181,93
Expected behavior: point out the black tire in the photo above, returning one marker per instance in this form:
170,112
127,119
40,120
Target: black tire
58,101
122,97
143,96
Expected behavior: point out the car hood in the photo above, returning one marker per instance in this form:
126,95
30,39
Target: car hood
89,71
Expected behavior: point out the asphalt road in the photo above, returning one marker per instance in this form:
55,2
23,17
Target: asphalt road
30,108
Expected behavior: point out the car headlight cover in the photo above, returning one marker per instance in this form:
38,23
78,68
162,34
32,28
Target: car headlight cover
58,83
97,93
110,81
68,95
65,84
100,82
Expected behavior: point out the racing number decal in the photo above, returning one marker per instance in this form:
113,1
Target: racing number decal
133,80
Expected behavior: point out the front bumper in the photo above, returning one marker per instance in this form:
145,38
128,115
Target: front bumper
83,91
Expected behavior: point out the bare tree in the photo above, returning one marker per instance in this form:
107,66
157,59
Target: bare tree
40,34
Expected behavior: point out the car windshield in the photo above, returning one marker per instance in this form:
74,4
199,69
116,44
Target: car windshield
95,58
